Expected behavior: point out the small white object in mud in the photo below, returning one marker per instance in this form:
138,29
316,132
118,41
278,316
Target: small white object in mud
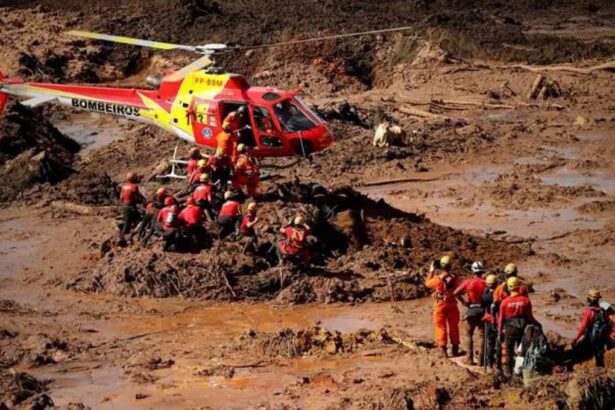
387,134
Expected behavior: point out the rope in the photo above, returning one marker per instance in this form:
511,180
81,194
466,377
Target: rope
332,37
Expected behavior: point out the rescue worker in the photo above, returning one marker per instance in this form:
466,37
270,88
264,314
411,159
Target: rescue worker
219,168
226,139
152,208
130,197
246,172
229,216
606,306
203,195
194,157
489,321
196,174
168,218
190,220
502,291
246,228
595,328
514,315
294,245
446,312
474,288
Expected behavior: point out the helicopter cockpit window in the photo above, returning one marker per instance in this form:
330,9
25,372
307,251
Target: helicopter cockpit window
291,117
262,118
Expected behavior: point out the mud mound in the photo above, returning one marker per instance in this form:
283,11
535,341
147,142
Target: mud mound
521,191
595,207
365,250
87,187
312,341
16,388
32,150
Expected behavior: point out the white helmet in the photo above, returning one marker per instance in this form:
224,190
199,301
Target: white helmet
477,267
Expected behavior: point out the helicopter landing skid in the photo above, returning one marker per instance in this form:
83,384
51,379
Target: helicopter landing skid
175,163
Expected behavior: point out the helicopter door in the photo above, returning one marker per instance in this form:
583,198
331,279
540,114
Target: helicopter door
264,128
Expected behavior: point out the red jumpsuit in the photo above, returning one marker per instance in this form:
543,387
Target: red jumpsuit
168,224
294,243
202,194
190,215
245,228
515,314
445,310
192,165
246,173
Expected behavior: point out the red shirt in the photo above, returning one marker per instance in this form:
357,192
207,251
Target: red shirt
192,166
246,166
588,320
244,229
190,215
202,193
474,287
195,177
516,306
231,208
129,193
295,239
163,218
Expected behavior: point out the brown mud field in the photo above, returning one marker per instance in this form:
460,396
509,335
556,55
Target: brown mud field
489,168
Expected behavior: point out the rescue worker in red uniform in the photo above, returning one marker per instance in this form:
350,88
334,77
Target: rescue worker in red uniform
219,168
246,228
446,312
191,222
595,328
203,196
294,245
515,314
195,176
229,216
502,291
168,219
474,288
246,172
152,207
193,159
130,197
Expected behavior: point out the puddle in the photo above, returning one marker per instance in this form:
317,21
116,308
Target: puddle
507,116
560,152
92,131
567,177
529,160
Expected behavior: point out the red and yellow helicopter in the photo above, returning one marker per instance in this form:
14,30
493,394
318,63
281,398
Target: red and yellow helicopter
192,103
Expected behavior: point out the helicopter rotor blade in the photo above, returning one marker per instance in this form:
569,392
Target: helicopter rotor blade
194,66
132,41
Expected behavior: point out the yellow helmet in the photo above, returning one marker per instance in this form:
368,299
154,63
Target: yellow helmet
241,148
490,280
228,195
226,126
445,260
298,220
510,269
203,177
594,294
513,283
252,206
202,163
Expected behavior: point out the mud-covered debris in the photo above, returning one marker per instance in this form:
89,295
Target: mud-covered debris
312,341
344,111
221,371
87,187
391,399
142,360
17,387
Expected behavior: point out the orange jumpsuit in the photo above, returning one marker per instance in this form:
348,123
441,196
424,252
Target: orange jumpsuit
227,143
445,310
246,173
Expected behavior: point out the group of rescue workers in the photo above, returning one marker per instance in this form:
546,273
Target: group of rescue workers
500,311
214,191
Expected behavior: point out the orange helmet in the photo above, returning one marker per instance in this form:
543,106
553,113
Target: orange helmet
131,177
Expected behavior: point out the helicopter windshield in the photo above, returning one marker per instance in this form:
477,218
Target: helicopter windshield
291,117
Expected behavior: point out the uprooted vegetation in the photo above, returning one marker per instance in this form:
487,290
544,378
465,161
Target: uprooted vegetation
366,250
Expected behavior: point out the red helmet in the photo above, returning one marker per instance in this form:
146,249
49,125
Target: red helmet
131,177
190,201
168,201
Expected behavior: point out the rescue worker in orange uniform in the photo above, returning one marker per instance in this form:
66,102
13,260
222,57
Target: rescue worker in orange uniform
191,222
226,139
203,196
474,288
152,208
229,216
595,328
193,159
246,228
246,172
502,291
514,315
444,282
130,197
168,218
294,245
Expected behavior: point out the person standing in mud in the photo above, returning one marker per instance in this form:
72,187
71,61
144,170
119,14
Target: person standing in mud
193,159
229,216
195,176
474,288
219,168
446,312
595,328
130,197
191,222
246,172
246,228
152,207
294,245
168,220
514,315
489,321
203,196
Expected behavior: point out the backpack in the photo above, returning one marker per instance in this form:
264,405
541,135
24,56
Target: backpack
449,280
599,331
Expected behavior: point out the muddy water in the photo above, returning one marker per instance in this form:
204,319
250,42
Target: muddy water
92,130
